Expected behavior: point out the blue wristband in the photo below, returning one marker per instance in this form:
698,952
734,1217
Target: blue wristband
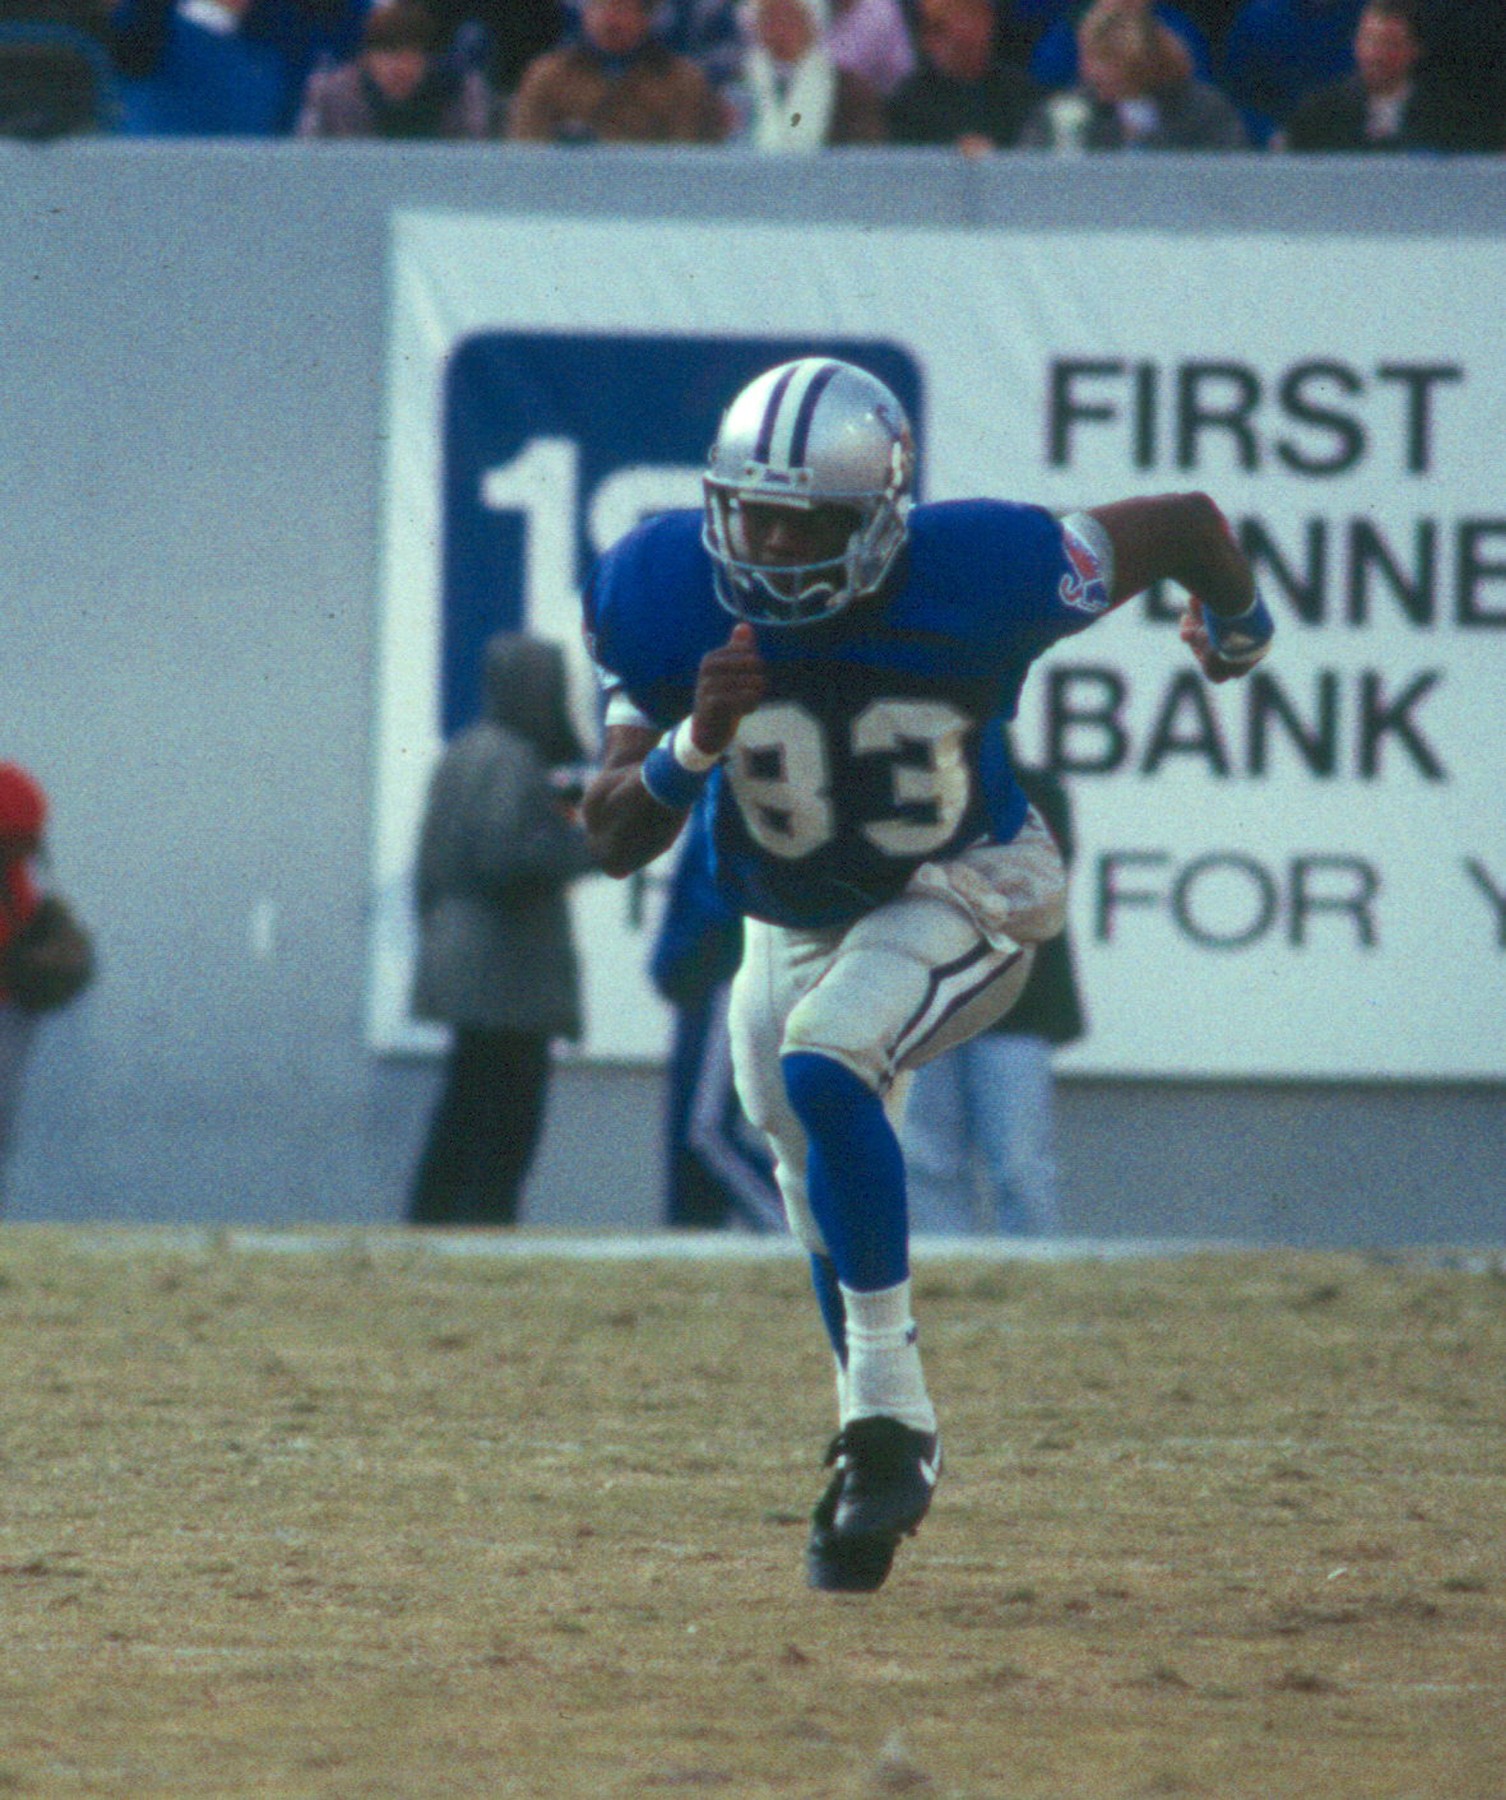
1244,638
667,778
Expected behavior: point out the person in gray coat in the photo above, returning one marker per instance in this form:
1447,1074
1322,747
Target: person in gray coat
496,958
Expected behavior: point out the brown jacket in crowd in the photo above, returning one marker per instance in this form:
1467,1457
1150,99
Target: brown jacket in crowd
568,96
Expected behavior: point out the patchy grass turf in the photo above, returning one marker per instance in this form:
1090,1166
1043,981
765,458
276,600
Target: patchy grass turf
380,1522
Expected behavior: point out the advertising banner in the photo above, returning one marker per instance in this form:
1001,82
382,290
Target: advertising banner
1300,875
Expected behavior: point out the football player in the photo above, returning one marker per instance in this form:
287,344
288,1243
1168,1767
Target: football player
846,733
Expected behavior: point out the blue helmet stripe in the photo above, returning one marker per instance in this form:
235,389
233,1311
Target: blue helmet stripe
807,413
771,414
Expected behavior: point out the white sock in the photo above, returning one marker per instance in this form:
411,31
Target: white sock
883,1360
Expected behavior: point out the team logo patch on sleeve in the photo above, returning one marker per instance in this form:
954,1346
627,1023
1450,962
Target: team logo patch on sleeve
1083,587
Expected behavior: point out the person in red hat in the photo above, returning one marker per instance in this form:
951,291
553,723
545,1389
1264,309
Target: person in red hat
23,814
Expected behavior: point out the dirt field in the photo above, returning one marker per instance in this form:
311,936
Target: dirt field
377,1521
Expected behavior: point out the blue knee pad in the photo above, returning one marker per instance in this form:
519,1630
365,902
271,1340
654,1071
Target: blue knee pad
855,1173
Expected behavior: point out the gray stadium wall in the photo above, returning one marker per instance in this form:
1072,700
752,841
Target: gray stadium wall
193,398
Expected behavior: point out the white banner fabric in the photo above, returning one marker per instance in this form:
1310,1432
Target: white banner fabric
1301,876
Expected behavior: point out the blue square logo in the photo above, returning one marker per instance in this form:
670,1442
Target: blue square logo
556,443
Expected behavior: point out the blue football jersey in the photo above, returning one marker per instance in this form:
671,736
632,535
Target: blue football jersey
879,743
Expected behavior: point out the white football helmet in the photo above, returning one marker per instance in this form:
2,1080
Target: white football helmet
810,434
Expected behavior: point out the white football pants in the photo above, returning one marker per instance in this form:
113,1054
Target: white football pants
926,970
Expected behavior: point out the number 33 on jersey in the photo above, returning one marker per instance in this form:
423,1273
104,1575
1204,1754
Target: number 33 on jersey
879,744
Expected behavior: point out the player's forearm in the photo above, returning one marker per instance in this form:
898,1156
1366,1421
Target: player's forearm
1178,537
626,827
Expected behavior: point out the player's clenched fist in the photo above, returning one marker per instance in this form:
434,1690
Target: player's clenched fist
729,684
1227,648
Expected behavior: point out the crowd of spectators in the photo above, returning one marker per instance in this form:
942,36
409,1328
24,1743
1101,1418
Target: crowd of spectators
792,75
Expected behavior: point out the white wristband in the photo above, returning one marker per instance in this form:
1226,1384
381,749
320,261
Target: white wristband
688,754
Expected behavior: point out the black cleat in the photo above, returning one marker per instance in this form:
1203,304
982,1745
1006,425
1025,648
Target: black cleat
885,1473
